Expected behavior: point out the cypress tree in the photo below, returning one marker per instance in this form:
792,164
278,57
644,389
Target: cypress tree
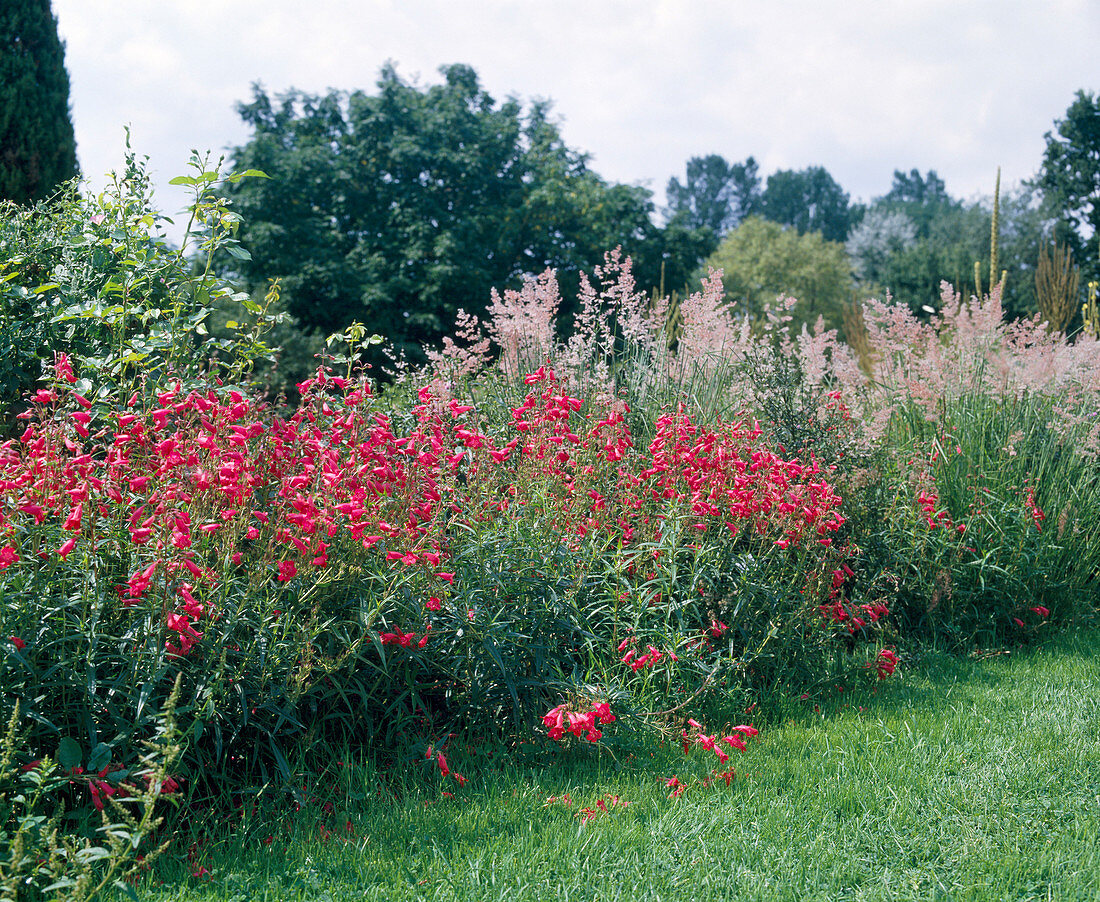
37,145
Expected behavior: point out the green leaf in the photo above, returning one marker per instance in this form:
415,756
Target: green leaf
183,180
92,853
100,757
237,252
248,173
69,753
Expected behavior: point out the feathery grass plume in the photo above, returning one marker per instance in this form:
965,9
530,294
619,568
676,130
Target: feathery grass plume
709,326
969,347
1056,282
665,316
1089,313
609,320
466,359
828,362
522,323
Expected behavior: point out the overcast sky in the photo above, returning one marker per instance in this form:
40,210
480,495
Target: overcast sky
861,87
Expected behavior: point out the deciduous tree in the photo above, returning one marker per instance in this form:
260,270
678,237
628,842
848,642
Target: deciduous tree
761,260
809,200
1070,176
398,208
715,194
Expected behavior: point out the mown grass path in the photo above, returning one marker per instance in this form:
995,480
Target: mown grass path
963,779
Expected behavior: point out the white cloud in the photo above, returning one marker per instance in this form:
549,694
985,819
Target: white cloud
861,87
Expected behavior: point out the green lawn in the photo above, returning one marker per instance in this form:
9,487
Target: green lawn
961,779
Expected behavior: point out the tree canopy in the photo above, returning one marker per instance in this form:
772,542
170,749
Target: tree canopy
37,145
715,193
809,200
397,208
1070,175
761,260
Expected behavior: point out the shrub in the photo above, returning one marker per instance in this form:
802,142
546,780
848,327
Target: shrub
325,574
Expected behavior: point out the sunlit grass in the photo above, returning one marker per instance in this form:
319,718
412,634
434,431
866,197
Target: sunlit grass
964,779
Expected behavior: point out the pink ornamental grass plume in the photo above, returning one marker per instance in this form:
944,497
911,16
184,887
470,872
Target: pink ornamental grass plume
522,323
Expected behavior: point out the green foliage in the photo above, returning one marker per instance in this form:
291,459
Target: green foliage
1007,524
95,278
399,208
715,194
922,198
760,260
809,201
47,851
37,146
1070,175
917,236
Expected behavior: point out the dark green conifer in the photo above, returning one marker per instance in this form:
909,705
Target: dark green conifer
37,145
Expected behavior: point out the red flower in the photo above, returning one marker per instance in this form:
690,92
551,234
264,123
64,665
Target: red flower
17,642
63,368
886,663
8,556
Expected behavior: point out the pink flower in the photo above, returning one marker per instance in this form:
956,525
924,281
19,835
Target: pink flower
433,604
887,662
63,368
1042,611
17,642
442,762
603,712
553,717
579,721
72,522
65,549
287,570
8,556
